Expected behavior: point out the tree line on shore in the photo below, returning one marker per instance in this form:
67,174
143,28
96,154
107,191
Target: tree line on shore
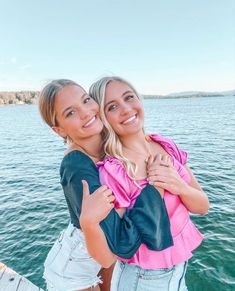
19,97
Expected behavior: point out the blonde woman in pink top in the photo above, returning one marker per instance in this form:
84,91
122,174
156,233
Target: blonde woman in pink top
134,159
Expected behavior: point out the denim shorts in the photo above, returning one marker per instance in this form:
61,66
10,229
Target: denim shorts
127,277
68,265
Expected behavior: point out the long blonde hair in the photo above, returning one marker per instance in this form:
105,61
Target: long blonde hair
112,144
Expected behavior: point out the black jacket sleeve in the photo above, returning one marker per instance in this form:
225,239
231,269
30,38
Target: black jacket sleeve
150,216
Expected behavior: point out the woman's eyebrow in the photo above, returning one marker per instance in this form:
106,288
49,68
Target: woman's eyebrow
70,107
66,109
109,103
126,92
84,95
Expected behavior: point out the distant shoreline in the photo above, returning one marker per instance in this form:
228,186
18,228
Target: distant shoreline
181,96
31,97
18,97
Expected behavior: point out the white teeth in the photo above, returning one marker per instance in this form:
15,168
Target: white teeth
89,122
129,119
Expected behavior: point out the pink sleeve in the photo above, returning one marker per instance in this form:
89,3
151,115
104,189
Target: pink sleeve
179,154
113,175
171,148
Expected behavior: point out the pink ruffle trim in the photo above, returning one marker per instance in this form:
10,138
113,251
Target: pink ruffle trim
184,243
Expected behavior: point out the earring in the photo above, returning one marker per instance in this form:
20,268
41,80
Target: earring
68,140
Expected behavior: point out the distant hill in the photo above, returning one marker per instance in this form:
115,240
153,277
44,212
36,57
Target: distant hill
202,93
190,94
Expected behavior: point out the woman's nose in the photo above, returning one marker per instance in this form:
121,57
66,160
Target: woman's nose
83,113
125,108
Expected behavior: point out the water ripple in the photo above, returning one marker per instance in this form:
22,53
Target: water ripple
33,210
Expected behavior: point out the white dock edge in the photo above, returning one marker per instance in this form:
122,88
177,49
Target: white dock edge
12,281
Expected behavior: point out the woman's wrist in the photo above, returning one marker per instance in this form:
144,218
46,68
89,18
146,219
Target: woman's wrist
88,224
185,190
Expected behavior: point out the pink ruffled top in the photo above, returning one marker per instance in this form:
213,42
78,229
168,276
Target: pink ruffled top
186,236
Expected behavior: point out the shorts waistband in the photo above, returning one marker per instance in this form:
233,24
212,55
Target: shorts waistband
71,232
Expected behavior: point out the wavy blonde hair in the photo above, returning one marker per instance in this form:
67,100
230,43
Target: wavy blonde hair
112,144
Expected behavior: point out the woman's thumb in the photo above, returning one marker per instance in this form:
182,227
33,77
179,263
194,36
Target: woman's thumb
86,191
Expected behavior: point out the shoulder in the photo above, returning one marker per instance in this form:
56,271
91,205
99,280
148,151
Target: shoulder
110,162
76,159
76,163
113,168
170,147
114,175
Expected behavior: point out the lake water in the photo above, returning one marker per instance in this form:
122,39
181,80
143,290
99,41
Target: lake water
33,210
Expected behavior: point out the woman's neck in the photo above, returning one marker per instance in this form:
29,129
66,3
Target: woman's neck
91,146
137,150
135,143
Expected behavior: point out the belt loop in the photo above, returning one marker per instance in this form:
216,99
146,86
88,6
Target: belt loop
61,235
72,231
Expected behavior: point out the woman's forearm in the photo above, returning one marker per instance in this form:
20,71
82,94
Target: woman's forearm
195,200
95,208
97,245
193,197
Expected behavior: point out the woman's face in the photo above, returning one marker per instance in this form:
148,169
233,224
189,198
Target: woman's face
77,114
123,109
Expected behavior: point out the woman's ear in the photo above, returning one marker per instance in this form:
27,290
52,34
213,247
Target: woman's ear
60,131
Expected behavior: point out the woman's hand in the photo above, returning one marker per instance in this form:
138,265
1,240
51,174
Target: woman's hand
162,174
97,206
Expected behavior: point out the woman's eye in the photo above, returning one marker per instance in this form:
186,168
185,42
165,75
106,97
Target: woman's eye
70,113
87,100
129,97
112,107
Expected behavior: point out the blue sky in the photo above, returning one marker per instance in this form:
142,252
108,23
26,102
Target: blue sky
160,46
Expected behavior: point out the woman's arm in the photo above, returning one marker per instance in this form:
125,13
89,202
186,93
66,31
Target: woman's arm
90,218
166,177
193,197
97,244
148,213
121,235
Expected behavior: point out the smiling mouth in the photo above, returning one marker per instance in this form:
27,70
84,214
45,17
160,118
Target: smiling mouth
129,120
90,122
